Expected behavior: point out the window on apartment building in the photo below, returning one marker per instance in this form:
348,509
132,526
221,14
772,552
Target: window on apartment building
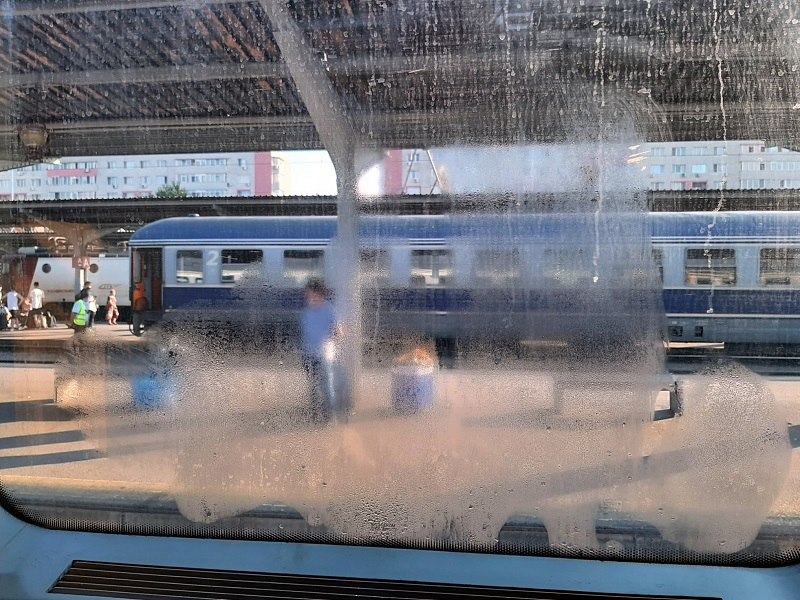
679,169
242,163
658,151
680,151
753,184
719,150
720,168
129,180
698,169
657,186
161,180
131,164
146,164
161,163
656,169
144,180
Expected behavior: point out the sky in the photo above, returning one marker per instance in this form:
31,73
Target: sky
312,172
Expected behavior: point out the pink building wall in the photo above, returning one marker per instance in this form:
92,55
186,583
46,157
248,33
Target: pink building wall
262,174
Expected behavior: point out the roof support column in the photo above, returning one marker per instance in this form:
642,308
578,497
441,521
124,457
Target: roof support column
337,133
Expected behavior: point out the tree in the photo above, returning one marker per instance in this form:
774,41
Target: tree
171,190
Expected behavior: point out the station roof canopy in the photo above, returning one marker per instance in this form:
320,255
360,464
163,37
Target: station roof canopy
99,77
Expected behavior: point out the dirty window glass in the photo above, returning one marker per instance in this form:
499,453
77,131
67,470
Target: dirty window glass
514,277
375,267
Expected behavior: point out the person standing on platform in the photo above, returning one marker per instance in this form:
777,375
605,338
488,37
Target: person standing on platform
36,298
80,312
12,304
112,312
318,330
91,302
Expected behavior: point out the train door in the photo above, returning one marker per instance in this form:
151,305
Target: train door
146,285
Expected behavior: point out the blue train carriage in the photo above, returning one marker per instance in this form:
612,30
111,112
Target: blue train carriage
449,276
730,277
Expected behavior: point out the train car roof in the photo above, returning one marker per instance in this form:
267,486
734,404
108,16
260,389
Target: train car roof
720,227
428,229
663,227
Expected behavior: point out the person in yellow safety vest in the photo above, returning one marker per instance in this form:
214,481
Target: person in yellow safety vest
80,312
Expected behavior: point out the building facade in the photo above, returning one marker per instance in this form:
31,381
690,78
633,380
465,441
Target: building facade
222,174
408,172
732,165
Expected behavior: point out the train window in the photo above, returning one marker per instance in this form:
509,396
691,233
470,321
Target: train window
301,265
710,266
567,266
496,268
779,266
658,258
430,268
189,267
375,267
239,263
94,268
46,268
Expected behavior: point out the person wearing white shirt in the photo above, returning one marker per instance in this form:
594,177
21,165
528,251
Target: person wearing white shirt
12,303
91,303
36,297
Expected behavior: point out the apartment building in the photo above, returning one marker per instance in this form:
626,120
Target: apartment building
222,174
740,164
408,172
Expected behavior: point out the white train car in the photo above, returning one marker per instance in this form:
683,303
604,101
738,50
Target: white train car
56,277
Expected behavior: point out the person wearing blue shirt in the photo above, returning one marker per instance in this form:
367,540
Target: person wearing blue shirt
318,330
